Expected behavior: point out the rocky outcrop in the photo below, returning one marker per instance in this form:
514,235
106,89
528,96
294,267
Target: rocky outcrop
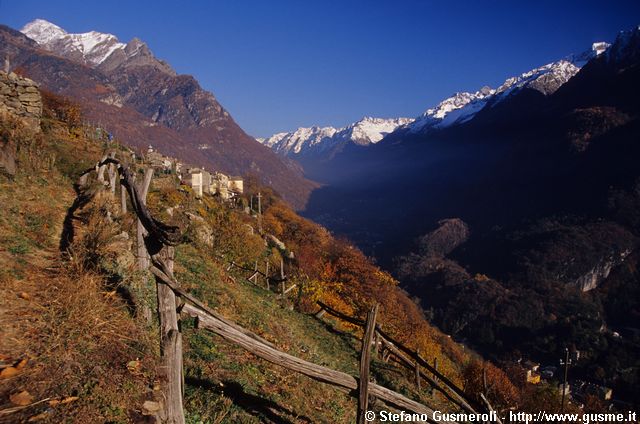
600,272
20,97
450,234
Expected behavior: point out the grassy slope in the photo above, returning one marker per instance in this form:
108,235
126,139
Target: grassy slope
57,318
67,318
225,381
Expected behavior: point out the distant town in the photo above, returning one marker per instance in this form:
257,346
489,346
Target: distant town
200,180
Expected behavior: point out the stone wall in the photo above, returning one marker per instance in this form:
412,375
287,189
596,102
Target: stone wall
20,97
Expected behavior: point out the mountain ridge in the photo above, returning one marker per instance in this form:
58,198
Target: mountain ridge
326,141
323,143
141,101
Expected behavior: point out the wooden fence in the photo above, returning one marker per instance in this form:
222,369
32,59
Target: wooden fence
160,239
411,360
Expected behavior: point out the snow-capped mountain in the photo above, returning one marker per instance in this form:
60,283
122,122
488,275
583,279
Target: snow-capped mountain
95,49
463,106
457,109
326,140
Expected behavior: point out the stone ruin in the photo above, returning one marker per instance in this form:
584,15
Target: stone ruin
19,98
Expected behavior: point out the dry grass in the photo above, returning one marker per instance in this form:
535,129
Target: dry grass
61,319
77,335
78,340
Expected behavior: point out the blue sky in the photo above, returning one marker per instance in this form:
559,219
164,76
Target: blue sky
277,65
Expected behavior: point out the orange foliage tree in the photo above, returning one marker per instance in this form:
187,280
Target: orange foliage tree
499,389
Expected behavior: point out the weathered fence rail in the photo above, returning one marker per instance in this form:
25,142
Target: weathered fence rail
320,373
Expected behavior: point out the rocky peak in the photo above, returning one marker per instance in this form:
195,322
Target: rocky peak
90,48
370,130
42,31
463,106
96,49
325,140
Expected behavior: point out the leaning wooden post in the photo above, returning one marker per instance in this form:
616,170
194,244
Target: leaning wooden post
365,360
170,340
143,255
255,273
490,408
159,240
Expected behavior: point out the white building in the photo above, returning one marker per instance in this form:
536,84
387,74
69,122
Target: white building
199,180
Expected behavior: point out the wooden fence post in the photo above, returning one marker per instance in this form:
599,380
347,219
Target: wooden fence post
159,239
435,378
100,168
123,199
282,276
255,273
112,172
143,255
170,341
321,312
266,274
365,360
418,371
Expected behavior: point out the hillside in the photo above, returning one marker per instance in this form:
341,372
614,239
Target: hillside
79,333
547,186
142,101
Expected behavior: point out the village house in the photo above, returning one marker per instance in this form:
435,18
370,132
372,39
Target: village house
179,168
158,160
220,185
217,183
236,184
199,180
532,372
226,187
